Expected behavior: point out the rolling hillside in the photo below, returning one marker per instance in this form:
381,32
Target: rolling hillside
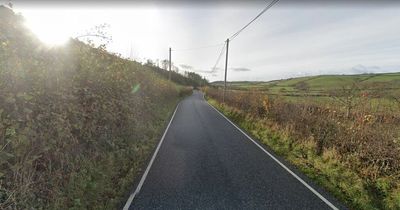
316,85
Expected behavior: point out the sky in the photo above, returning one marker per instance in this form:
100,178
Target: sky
289,40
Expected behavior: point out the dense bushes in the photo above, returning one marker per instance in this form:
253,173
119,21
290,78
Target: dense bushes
76,123
356,157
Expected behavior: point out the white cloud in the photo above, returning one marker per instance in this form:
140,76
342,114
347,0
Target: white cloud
240,69
284,42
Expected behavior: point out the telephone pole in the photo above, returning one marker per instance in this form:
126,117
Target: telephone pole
169,76
226,69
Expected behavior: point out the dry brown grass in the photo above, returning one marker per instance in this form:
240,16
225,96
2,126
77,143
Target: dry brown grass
365,143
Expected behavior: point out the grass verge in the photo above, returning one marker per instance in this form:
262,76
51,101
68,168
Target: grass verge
325,169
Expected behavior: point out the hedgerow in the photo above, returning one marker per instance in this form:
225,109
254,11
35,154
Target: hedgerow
77,123
356,157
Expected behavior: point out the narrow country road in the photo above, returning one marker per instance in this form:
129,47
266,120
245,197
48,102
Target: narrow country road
205,162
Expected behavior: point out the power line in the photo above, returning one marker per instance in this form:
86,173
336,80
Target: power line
254,19
219,58
271,4
238,32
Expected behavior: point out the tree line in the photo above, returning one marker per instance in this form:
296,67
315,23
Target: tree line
186,78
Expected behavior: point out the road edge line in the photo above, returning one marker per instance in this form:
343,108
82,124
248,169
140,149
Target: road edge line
139,186
326,201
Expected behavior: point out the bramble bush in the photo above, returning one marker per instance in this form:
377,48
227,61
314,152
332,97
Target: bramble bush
354,156
77,123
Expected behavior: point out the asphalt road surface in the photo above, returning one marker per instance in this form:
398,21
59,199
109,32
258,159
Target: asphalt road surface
205,162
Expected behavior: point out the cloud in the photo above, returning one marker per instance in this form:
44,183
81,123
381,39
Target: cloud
289,42
212,71
240,69
216,69
360,69
187,67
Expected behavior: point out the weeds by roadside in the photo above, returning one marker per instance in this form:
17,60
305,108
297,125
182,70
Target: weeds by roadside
355,157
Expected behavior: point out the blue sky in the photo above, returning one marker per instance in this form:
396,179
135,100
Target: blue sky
289,40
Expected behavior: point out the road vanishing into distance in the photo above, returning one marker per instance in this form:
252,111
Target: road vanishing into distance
204,162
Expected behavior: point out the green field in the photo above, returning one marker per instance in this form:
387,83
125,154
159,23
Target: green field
322,83
381,89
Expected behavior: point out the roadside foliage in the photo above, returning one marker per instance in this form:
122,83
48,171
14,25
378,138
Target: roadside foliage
355,153
76,122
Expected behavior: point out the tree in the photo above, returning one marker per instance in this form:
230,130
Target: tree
302,86
97,36
149,62
347,97
164,64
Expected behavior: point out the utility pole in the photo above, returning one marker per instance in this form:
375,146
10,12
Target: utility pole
169,76
226,68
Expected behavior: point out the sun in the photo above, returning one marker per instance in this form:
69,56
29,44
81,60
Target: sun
51,31
48,35
55,25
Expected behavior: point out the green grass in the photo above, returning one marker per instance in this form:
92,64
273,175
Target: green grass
293,81
389,77
383,86
332,82
322,82
373,104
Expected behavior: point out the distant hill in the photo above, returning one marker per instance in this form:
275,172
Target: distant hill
322,83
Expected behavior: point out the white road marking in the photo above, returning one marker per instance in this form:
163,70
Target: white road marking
132,196
281,164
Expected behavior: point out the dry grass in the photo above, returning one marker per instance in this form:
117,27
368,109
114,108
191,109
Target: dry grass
356,156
